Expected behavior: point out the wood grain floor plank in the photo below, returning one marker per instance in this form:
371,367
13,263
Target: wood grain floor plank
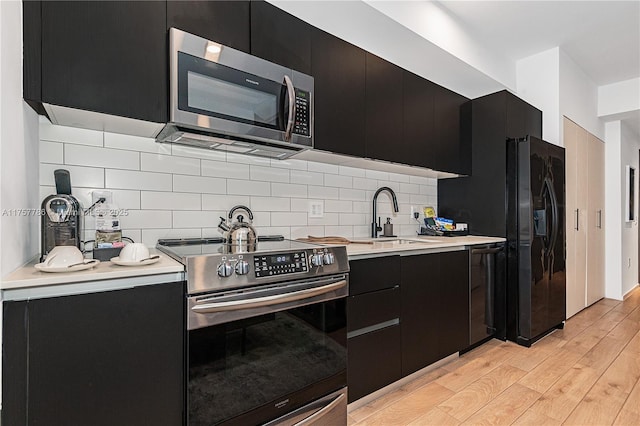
597,411
475,396
625,330
534,418
547,373
467,374
585,341
506,407
627,418
435,416
602,354
632,403
409,408
634,344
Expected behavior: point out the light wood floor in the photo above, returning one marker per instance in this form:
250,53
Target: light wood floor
586,374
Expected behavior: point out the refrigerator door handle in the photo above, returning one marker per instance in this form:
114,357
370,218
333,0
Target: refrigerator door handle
554,213
577,227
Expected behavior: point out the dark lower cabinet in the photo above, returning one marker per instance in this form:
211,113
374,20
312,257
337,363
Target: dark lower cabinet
104,56
225,22
108,358
338,69
435,307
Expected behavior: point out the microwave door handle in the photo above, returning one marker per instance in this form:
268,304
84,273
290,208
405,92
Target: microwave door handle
291,92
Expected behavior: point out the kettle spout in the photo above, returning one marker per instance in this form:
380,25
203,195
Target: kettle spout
222,226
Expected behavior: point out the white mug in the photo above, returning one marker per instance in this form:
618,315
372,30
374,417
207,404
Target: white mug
61,256
134,252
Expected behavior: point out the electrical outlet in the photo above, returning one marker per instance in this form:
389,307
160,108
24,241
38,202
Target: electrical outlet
316,209
415,212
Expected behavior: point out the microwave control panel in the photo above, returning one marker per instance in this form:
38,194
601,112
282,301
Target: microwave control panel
302,122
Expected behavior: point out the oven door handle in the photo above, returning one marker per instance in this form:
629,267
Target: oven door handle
257,302
322,412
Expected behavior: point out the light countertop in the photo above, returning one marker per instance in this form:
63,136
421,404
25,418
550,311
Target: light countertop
415,245
29,277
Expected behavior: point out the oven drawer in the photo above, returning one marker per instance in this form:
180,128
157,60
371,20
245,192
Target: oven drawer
366,310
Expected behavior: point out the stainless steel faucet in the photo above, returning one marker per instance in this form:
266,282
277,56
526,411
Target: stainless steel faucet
375,227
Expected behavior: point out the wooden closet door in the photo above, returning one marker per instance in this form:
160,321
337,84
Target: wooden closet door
595,221
575,160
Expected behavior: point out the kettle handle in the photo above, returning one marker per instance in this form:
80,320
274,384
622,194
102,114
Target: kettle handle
240,207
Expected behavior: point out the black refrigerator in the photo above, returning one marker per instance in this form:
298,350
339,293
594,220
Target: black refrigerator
536,280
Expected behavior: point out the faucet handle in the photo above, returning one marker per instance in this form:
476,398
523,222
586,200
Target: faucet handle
378,226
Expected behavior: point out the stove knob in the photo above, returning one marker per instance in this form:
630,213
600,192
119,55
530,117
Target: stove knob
225,269
316,259
328,258
242,267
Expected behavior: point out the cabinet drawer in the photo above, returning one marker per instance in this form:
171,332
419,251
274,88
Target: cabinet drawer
374,361
373,274
373,308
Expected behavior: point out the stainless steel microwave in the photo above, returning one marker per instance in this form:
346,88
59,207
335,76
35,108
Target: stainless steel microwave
224,99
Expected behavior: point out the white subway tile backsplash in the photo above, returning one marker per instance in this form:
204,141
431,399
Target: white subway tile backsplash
169,164
81,155
364,183
134,234
248,187
80,176
51,152
323,192
288,190
288,219
54,133
146,219
225,170
135,143
272,204
352,194
173,191
197,219
351,171
268,174
307,178
199,184
152,200
125,179
338,181
150,237
323,168
290,163
224,202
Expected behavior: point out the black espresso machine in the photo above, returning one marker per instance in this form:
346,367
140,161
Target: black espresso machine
62,217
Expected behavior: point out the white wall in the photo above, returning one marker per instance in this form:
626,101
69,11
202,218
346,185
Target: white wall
174,191
538,82
18,149
614,212
619,98
579,97
630,146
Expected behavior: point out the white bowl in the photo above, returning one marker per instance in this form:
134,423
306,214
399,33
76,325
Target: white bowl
134,252
62,256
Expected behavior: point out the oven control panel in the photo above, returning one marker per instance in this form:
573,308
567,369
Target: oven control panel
271,264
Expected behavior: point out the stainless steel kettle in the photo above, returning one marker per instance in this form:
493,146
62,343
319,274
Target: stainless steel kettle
239,233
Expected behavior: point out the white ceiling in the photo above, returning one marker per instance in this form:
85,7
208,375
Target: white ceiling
602,37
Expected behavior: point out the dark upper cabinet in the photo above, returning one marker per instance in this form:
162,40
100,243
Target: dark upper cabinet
435,307
418,125
225,22
105,56
108,358
338,69
452,132
280,37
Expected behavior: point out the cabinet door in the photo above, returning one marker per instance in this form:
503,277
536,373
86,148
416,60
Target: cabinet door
225,22
451,146
14,363
338,69
418,134
595,220
421,309
373,274
108,57
110,358
280,37
383,107
453,320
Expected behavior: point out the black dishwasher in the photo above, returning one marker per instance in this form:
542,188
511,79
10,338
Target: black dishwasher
487,279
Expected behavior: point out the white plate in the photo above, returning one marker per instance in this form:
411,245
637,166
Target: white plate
88,264
117,261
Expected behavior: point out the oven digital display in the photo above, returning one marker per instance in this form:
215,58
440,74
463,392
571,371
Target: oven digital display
280,263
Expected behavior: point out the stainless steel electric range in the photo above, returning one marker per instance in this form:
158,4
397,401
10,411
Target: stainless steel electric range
266,331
